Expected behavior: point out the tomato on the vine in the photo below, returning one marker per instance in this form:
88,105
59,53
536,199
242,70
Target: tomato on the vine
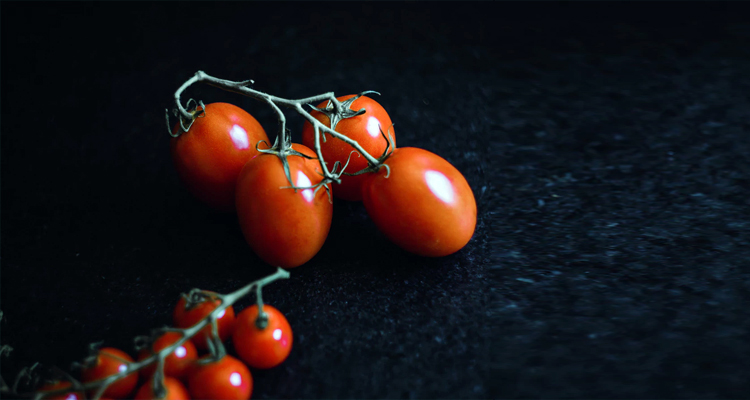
225,379
60,385
185,318
174,390
262,348
424,206
364,128
209,156
111,361
284,227
177,363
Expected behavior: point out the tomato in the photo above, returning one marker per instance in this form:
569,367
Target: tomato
60,385
110,361
425,205
284,227
364,128
175,390
262,348
177,363
209,156
184,318
227,378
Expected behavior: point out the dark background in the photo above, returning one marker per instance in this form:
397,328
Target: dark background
607,145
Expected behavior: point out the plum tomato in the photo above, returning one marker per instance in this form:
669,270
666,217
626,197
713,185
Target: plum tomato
225,379
283,226
185,318
60,385
175,364
175,390
110,361
262,348
209,156
425,205
364,128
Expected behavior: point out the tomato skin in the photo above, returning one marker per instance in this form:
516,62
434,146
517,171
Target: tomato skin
175,390
183,318
226,379
109,362
177,363
209,156
264,348
425,206
60,385
362,128
283,227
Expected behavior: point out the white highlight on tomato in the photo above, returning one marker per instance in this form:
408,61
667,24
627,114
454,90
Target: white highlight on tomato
276,334
439,185
180,352
304,181
122,368
235,379
71,396
239,137
373,127
221,313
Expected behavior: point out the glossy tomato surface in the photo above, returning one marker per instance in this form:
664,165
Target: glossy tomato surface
365,129
209,156
112,361
284,227
185,318
60,385
175,390
226,379
177,363
425,206
262,348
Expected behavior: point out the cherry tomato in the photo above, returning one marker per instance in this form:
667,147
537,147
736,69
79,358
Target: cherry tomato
176,364
175,390
364,128
60,385
209,156
262,348
184,318
284,227
112,361
227,379
425,206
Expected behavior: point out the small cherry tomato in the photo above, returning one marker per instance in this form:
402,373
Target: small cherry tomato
110,361
176,364
226,379
284,227
209,156
185,318
364,128
425,205
262,348
174,390
60,385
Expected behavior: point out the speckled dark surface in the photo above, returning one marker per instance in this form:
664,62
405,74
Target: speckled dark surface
607,145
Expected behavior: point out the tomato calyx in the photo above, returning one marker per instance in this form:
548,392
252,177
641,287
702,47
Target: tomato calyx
193,114
342,110
375,167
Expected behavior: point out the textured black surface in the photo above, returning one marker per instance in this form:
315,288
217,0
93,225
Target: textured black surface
607,146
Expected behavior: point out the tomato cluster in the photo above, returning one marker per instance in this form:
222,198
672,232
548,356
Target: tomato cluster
259,343
416,198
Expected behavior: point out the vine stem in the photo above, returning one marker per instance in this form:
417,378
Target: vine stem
295,104
187,333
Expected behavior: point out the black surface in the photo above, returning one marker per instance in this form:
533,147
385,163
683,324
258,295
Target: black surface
607,146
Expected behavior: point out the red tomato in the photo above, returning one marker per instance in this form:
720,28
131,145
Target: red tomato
184,318
425,206
365,129
175,390
210,155
176,364
111,361
262,348
60,385
226,379
284,227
